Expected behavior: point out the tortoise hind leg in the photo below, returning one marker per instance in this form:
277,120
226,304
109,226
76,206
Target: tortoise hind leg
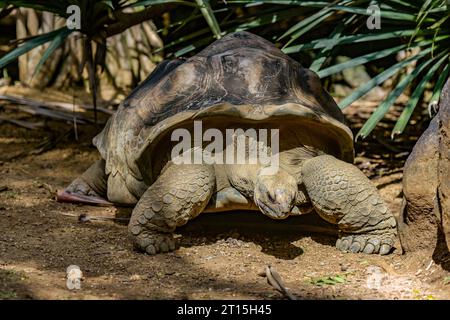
179,194
343,195
89,188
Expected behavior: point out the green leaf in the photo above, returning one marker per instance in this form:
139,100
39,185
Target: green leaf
184,39
338,279
438,24
358,38
156,2
385,14
264,19
210,18
360,60
336,34
193,46
306,27
28,45
362,90
56,42
440,84
284,2
414,99
58,7
421,18
394,15
261,20
307,24
329,280
193,16
401,3
379,113
423,9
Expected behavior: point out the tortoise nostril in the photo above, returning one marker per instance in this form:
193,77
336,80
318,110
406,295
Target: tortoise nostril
271,198
280,194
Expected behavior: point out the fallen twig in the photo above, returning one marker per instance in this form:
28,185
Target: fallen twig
53,104
21,123
58,115
47,144
82,217
274,279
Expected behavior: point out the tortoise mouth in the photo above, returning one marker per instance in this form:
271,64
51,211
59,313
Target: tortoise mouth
270,212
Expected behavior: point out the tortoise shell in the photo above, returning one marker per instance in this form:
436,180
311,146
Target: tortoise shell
239,81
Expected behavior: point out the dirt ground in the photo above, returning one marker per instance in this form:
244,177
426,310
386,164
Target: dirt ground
221,256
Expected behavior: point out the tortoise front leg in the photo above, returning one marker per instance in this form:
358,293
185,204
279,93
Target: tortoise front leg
89,188
179,194
341,194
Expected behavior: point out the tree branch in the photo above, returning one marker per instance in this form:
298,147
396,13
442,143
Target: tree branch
127,20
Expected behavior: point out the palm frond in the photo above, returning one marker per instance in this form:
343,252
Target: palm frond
31,44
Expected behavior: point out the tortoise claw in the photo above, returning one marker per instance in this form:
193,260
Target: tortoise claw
367,243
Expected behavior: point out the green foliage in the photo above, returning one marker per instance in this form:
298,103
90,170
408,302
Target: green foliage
404,26
299,27
33,43
417,295
329,280
209,16
7,295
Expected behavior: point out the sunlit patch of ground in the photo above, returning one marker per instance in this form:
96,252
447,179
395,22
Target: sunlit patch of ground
40,238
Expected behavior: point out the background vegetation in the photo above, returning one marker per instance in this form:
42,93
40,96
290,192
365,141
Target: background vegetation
411,49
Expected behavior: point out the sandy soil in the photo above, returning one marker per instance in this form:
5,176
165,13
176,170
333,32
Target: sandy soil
220,256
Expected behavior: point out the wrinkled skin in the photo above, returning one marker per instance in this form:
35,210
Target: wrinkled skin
275,195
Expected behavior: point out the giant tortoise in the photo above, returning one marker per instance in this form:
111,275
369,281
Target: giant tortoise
239,82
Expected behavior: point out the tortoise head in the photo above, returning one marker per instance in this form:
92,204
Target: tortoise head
275,193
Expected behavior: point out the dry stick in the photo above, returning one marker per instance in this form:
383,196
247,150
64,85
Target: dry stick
84,217
57,115
125,20
51,104
274,279
387,145
74,117
21,123
92,72
47,144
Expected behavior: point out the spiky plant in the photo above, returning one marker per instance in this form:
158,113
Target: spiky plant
318,29
417,26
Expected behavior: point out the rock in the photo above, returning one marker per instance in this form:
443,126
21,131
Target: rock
344,266
376,277
425,218
340,90
355,77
